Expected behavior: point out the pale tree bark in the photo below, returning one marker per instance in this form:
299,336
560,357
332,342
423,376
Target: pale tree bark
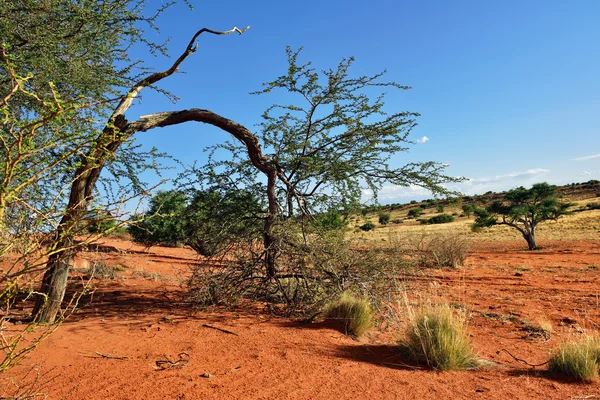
115,133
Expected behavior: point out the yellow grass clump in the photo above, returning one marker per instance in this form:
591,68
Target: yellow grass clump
354,316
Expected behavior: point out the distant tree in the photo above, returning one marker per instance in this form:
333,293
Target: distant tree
414,213
384,218
331,220
440,219
523,209
468,210
163,223
367,226
413,202
218,219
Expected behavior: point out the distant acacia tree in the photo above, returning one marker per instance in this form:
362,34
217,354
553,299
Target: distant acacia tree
468,210
523,209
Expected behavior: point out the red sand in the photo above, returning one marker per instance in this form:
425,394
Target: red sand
275,358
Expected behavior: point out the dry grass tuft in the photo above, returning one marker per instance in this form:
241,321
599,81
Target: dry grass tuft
578,359
437,337
355,316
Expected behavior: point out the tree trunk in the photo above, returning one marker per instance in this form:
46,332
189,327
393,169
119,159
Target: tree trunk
54,285
269,240
116,132
530,237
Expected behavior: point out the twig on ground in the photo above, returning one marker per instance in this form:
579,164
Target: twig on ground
111,356
220,329
167,363
523,361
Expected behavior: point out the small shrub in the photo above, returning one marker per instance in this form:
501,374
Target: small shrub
593,206
438,338
384,218
353,315
414,213
578,359
424,206
439,208
367,227
413,202
397,221
447,250
441,219
100,270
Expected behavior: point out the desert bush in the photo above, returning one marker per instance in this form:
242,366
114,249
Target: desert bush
414,213
441,250
367,226
438,338
384,218
332,219
440,219
313,267
354,316
468,210
578,359
593,206
100,270
439,208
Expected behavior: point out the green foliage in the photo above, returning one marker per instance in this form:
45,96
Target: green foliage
354,316
439,208
163,223
468,210
438,338
523,209
333,138
414,213
215,220
413,202
440,219
208,223
578,359
332,220
367,226
384,218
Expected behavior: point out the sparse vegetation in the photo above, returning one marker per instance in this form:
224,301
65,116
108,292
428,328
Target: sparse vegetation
384,218
437,337
414,213
578,358
353,315
367,226
445,250
523,209
441,219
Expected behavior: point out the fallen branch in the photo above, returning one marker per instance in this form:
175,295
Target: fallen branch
524,361
220,329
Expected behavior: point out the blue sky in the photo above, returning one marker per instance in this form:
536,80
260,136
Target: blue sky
508,92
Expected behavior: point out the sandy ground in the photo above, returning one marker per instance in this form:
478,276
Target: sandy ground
141,316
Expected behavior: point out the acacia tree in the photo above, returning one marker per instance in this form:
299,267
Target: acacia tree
117,131
331,144
523,209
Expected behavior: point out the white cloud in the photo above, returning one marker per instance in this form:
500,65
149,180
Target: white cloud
585,173
587,157
426,139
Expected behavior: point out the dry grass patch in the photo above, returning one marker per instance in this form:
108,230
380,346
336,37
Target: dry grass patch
578,358
353,315
437,337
